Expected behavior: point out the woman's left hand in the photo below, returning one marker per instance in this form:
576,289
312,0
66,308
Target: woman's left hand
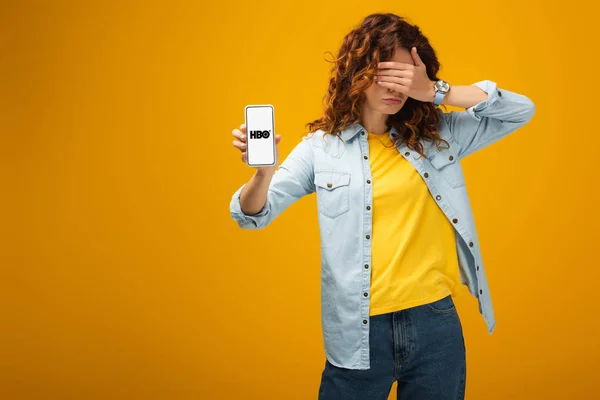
411,80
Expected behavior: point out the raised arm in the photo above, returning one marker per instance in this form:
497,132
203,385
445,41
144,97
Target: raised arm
293,179
491,114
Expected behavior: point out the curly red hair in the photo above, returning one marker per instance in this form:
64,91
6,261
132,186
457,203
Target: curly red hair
352,73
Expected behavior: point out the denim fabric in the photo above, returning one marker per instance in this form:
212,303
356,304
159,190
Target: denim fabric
339,172
421,347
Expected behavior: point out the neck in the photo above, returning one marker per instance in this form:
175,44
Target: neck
373,121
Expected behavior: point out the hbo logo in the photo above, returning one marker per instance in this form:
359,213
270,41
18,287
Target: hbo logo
259,134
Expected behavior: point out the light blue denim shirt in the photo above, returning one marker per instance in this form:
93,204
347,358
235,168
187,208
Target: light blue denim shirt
340,174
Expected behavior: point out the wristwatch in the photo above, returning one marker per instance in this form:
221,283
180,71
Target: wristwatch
441,88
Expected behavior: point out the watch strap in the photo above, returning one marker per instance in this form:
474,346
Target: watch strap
439,96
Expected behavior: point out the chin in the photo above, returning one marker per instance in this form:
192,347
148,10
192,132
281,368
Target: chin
392,111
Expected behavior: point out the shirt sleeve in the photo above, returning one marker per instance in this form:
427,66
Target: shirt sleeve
488,121
292,180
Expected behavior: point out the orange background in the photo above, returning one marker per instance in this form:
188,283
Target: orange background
122,273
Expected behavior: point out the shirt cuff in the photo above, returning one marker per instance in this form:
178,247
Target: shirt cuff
238,214
492,91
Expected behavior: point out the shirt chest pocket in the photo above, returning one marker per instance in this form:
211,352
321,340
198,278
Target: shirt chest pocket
446,162
333,192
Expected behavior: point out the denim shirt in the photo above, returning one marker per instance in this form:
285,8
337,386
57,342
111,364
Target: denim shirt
340,175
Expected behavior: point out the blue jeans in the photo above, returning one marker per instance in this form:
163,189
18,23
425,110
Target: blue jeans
421,347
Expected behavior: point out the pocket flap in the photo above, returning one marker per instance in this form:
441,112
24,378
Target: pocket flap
330,180
444,157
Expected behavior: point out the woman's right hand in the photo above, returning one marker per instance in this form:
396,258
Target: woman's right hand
240,143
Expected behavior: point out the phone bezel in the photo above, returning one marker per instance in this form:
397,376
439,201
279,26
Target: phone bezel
247,137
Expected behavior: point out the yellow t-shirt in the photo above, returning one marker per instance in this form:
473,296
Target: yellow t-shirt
414,258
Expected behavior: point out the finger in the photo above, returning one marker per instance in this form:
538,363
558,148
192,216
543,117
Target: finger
239,135
394,86
394,72
244,156
277,139
416,57
393,65
395,79
243,128
239,145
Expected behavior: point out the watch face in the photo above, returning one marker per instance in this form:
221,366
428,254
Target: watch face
442,86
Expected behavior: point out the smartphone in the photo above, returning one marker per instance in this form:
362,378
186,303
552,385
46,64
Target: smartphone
260,135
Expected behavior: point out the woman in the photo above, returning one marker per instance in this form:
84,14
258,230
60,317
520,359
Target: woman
396,228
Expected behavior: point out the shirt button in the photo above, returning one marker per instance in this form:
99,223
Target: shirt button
426,175
366,266
368,181
499,93
438,197
480,291
407,153
470,244
365,294
455,220
366,158
329,185
368,207
362,133
364,321
478,268
368,237
451,158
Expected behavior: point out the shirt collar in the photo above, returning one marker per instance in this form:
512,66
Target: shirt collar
356,128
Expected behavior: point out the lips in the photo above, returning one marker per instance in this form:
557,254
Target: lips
393,100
